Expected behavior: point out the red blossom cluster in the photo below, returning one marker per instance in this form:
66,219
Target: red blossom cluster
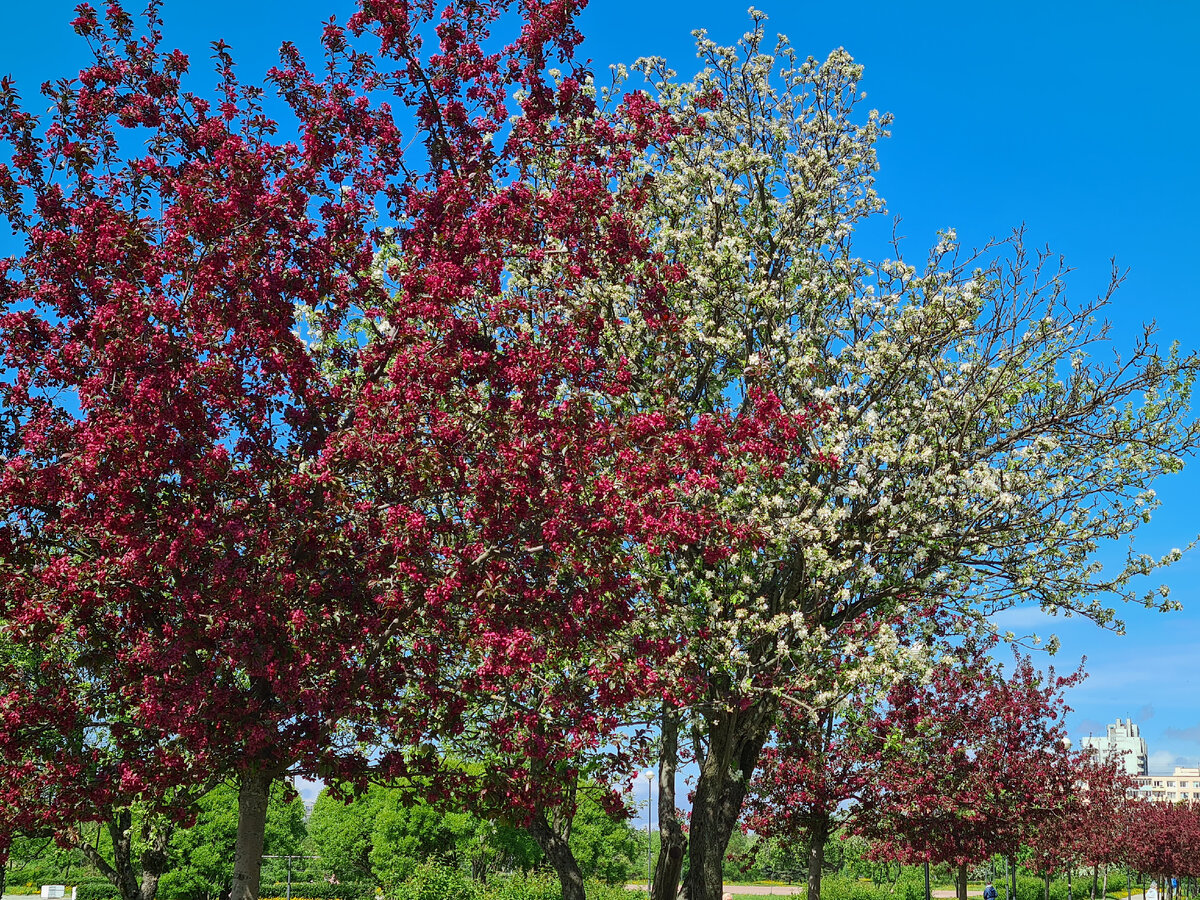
972,761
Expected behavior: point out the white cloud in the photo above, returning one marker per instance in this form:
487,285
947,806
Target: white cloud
309,790
1184,734
1163,762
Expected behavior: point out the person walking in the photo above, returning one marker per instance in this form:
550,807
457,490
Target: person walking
989,892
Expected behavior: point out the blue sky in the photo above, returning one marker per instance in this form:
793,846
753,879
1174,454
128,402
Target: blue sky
1078,120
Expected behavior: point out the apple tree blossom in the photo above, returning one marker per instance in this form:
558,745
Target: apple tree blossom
979,435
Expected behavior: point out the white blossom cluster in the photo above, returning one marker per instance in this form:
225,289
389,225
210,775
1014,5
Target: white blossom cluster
974,445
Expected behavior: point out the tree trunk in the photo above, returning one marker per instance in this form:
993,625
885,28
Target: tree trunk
960,885
671,842
735,740
559,855
818,835
121,873
253,792
155,858
1104,890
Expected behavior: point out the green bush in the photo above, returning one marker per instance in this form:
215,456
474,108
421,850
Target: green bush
430,881
838,887
910,885
97,890
597,890
319,890
1033,888
534,886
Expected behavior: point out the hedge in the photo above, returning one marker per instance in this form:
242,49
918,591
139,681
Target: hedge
318,890
440,882
96,890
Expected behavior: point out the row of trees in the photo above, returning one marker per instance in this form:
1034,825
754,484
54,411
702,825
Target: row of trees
952,766
378,840
959,765
483,433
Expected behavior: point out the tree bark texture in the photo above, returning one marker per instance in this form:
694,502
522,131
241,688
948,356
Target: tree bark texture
818,836
735,738
960,885
253,792
122,873
559,855
671,842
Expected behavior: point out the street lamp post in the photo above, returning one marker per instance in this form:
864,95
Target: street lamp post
289,857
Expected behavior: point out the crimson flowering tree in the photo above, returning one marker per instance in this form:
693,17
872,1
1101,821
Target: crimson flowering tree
1096,833
805,780
1163,840
969,762
272,494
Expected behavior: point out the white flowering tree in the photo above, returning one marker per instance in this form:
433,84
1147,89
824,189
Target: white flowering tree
977,438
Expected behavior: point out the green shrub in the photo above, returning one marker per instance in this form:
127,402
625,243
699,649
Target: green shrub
910,885
839,887
430,881
319,890
597,890
1033,888
542,886
534,886
97,890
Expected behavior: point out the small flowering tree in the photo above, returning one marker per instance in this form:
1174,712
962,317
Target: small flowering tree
969,763
822,761
1163,841
59,772
972,446
1097,835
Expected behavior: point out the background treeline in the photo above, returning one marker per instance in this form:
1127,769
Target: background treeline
341,851
384,843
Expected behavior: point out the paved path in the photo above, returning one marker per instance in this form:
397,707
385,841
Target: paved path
787,890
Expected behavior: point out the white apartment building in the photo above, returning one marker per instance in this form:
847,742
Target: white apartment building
1124,741
1183,784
